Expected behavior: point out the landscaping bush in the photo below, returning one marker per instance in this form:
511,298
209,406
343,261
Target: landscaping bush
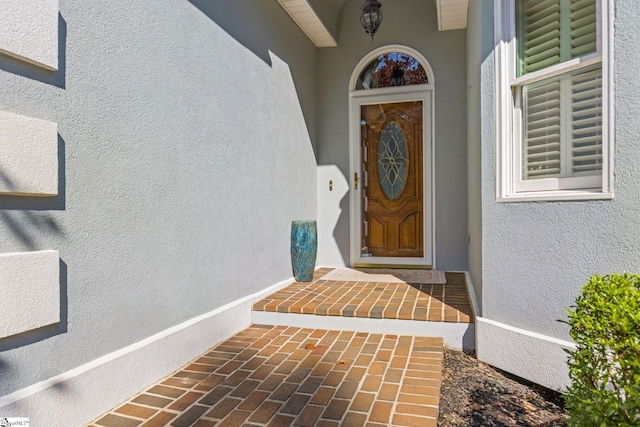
605,367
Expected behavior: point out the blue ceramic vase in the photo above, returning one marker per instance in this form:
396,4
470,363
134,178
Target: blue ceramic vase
304,247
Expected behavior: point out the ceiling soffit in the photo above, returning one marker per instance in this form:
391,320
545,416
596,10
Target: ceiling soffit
318,18
452,14
309,21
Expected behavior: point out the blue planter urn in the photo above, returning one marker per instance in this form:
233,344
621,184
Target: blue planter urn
304,247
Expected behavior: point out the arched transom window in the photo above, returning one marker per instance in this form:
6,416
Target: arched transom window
392,69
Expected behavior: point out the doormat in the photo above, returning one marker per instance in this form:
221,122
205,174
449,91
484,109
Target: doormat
387,275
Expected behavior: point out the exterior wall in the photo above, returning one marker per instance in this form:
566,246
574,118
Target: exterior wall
479,48
411,23
29,31
184,149
536,255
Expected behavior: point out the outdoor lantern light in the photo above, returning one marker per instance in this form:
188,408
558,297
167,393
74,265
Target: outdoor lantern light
371,16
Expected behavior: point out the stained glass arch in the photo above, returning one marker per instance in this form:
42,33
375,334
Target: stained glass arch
391,66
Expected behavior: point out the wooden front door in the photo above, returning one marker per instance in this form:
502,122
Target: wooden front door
392,179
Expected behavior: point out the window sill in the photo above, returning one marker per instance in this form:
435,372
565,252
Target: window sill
555,196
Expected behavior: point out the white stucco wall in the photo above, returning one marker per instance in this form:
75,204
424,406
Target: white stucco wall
411,23
28,156
185,152
29,31
30,289
536,255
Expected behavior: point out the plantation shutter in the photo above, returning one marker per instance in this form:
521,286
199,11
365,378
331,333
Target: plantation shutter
542,131
562,134
584,34
586,122
562,113
554,31
539,34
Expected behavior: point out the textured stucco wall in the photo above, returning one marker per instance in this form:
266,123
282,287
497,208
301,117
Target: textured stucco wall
536,255
185,150
29,31
28,156
478,50
30,287
411,23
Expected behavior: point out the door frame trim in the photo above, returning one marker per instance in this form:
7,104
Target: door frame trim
358,98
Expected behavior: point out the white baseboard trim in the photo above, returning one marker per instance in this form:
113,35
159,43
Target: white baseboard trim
536,357
78,396
457,335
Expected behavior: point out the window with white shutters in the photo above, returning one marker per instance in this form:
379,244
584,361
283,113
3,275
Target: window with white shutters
553,31
558,121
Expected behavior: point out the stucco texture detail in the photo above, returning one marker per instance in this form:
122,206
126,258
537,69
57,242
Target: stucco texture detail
412,23
479,51
29,31
28,156
537,255
530,356
30,289
186,132
332,188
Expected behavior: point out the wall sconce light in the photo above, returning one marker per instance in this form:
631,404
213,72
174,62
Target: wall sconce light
371,16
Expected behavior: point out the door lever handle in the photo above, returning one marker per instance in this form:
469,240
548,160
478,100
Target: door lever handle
355,180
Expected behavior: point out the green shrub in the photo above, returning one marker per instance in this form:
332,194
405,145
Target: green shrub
605,367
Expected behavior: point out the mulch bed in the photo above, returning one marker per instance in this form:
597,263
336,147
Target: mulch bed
475,394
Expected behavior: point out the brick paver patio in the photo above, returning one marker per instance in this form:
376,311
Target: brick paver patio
284,376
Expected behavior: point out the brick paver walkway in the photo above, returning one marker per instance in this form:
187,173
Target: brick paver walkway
439,303
282,376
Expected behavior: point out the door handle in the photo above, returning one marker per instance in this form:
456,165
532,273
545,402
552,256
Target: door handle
355,180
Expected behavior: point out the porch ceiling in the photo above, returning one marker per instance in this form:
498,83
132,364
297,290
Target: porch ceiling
309,21
317,24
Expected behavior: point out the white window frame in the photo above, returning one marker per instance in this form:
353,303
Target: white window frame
509,187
